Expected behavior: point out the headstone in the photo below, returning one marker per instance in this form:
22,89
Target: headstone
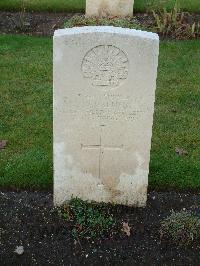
109,8
104,92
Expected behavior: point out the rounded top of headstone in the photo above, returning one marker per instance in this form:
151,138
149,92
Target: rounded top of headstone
106,29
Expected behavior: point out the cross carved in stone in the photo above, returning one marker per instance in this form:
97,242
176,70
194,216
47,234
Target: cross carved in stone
101,149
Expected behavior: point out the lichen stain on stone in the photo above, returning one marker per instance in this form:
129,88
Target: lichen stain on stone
110,184
72,181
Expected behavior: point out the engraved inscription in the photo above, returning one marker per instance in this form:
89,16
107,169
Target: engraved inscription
109,107
106,66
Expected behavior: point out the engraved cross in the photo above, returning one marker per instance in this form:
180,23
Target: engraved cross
101,149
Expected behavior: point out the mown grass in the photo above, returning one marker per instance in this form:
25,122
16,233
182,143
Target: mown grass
177,117
26,111
79,5
26,114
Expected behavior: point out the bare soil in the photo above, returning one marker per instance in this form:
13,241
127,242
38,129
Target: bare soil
44,24
40,24
28,219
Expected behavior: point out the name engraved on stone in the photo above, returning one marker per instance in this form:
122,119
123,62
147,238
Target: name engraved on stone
106,66
110,107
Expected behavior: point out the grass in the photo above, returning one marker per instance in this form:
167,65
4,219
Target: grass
79,5
26,111
26,114
177,117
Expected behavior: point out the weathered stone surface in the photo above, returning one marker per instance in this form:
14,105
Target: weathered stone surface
104,92
109,8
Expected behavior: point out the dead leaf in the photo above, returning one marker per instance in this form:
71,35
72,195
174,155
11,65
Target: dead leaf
180,151
3,144
126,229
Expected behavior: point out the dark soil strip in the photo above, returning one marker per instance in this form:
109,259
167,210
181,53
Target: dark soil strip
39,24
44,24
29,220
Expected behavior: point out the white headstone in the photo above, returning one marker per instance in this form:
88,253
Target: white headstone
104,92
109,8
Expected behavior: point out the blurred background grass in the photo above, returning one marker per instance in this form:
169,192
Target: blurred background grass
79,5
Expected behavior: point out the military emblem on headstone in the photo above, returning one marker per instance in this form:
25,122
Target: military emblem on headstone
105,65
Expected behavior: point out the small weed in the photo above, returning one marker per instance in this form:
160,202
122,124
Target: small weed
20,22
174,24
183,228
80,21
89,219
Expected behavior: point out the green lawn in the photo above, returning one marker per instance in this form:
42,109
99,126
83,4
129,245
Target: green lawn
79,5
26,114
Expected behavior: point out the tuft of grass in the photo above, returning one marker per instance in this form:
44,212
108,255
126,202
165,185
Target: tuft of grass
174,24
183,228
89,220
80,21
79,5
26,115
20,23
